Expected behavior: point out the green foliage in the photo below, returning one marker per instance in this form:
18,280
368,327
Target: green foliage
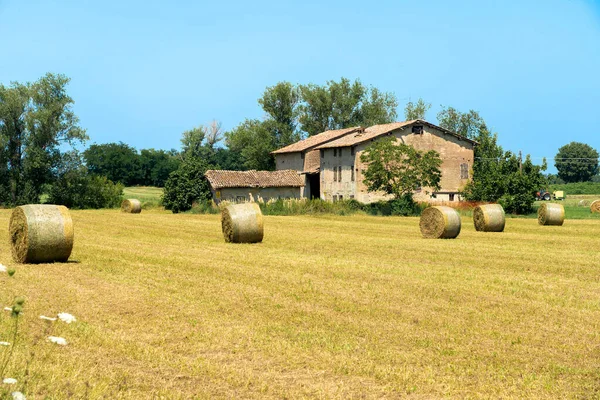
76,188
576,188
466,124
254,141
186,186
344,104
576,162
117,161
416,110
398,169
156,166
36,122
498,177
280,102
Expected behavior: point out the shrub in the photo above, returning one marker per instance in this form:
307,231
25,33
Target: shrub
186,186
76,189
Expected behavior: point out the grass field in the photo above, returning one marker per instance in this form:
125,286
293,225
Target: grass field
148,195
325,307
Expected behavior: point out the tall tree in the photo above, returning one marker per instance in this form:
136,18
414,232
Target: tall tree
36,123
416,110
466,124
576,162
254,141
118,162
344,104
280,103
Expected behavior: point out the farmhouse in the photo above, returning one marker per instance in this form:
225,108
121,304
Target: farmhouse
243,186
303,157
341,171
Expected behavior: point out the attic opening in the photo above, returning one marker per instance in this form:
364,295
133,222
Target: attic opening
417,129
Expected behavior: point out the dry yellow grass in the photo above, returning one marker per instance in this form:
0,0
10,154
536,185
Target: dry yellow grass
325,307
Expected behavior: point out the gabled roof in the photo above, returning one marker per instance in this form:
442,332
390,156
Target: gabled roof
258,179
316,140
379,130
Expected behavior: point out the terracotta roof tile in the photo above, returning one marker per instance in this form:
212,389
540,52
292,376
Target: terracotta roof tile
312,162
316,140
378,130
261,179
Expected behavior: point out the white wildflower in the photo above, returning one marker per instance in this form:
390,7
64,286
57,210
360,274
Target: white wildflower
2,268
4,344
47,318
9,381
7,308
66,317
18,396
57,340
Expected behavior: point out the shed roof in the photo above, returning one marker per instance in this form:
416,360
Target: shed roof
253,178
379,130
316,140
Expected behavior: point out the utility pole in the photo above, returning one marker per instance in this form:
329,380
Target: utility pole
520,162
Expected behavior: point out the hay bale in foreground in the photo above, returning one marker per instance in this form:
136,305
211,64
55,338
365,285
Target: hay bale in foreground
595,206
489,218
551,214
242,223
440,222
41,233
131,206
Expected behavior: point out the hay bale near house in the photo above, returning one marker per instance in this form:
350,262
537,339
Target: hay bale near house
41,233
489,218
440,222
595,206
131,206
242,223
551,214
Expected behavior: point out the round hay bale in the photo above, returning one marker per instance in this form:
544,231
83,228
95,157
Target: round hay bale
131,206
242,223
551,214
440,222
41,233
583,203
489,218
595,206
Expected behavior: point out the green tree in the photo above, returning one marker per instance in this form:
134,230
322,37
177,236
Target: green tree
118,162
576,162
416,110
398,169
186,185
156,166
280,102
254,141
344,104
36,122
466,124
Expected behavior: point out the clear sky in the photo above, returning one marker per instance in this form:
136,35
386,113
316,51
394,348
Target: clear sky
144,71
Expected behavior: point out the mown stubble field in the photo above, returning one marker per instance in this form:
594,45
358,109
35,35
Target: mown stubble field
325,307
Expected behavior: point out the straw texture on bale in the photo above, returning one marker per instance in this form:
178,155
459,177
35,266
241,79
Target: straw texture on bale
131,206
551,214
440,222
41,233
489,218
242,223
595,206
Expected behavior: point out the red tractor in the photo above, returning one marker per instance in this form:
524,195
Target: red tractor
543,194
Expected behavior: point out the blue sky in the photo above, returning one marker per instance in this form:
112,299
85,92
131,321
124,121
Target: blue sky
145,71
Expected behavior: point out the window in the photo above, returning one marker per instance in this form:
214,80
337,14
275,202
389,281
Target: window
341,197
464,171
451,197
340,152
335,152
351,196
352,173
418,129
352,150
339,174
302,156
322,153
335,174
334,197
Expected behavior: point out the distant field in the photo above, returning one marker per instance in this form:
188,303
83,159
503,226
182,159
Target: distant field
148,195
325,307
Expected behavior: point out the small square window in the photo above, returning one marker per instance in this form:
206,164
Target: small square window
418,129
334,197
341,197
451,197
